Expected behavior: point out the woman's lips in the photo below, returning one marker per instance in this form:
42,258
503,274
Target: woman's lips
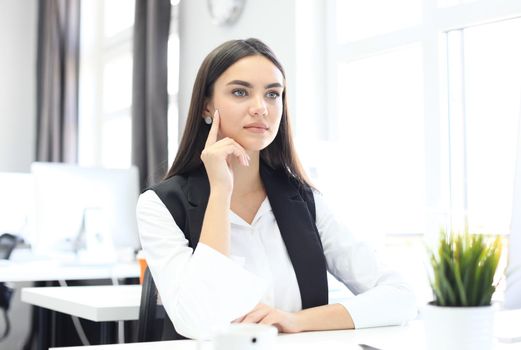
256,129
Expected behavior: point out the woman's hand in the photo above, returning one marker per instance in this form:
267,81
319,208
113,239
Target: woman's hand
217,155
286,322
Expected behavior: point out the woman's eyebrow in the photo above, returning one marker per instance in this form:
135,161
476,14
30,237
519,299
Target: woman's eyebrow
248,85
273,85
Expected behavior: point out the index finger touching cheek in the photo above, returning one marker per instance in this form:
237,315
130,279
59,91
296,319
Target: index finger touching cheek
214,129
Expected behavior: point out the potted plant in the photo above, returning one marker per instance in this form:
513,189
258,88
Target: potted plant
461,315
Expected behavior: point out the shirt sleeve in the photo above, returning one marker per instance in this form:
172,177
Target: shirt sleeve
382,297
202,290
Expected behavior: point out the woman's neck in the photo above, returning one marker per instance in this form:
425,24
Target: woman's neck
246,179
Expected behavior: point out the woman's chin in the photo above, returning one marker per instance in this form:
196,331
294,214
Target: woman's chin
253,146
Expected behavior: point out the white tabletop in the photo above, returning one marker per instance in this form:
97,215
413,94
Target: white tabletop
51,270
410,337
114,303
95,303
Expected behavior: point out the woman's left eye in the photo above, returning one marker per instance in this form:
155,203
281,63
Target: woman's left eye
239,93
273,95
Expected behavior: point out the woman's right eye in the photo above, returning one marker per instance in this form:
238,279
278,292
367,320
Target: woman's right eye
239,92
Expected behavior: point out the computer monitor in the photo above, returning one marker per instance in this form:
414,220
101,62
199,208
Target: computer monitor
83,208
513,280
16,192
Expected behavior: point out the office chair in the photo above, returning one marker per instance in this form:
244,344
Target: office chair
7,244
153,324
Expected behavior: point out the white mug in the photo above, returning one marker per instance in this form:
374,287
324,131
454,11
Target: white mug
246,336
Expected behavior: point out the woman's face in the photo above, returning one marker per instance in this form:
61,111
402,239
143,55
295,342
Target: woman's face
248,96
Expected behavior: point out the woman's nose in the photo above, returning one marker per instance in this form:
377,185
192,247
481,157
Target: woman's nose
258,107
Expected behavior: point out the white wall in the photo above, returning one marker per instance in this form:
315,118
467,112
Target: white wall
272,21
311,118
17,119
18,84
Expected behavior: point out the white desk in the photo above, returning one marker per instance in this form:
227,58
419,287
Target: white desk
95,303
112,303
410,337
54,270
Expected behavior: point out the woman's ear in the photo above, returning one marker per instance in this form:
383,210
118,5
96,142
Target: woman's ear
208,109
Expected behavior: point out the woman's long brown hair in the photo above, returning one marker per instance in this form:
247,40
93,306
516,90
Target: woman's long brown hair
280,154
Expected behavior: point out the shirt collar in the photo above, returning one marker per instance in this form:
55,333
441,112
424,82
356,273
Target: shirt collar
264,208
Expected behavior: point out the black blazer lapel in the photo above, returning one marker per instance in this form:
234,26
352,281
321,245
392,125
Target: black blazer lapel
197,192
300,236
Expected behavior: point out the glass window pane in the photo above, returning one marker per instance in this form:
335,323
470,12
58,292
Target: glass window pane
380,159
118,16
492,84
117,83
362,19
116,141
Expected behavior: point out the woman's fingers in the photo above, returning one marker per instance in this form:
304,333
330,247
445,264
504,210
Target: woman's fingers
217,156
263,314
229,146
224,148
286,322
257,307
245,158
214,130
271,319
231,149
239,320
256,315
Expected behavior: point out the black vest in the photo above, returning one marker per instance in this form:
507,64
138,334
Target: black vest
186,197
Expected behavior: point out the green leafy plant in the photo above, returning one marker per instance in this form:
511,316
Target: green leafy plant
463,268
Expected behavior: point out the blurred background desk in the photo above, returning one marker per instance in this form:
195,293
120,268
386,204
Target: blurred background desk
52,270
104,304
48,272
95,303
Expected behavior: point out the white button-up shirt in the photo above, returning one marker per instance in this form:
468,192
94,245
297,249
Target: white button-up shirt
203,290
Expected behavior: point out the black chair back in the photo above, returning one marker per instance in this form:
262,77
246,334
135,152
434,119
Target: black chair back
7,244
153,324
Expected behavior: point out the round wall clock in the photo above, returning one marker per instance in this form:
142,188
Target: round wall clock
225,12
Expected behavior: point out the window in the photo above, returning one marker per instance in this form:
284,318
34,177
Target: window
379,110
357,20
484,99
106,83
423,109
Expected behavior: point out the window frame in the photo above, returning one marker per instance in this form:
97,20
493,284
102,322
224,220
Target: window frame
95,53
435,23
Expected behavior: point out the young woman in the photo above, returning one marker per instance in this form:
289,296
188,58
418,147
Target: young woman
237,233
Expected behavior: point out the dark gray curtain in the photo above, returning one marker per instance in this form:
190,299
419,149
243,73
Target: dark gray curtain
149,91
57,80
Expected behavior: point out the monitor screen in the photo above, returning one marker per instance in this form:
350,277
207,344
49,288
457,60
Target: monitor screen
15,202
83,208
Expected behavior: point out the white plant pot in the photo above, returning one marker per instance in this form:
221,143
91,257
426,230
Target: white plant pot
461,328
